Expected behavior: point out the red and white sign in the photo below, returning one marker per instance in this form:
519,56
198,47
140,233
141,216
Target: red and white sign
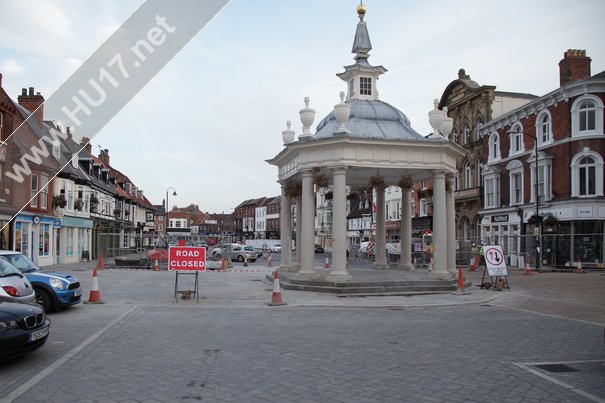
187,258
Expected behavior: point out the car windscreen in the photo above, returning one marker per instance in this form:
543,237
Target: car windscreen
21,262
7,269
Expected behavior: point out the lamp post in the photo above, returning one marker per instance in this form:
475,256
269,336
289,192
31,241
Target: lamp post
167,209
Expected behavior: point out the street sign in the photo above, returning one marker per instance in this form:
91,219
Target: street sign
494,260
192,258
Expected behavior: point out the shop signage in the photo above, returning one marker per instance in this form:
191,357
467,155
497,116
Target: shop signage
585,212
500,218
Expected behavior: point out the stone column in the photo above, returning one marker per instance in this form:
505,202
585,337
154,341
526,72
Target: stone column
285,236
307,238
298,230
440,248
339,227
451,226
406,231
381,236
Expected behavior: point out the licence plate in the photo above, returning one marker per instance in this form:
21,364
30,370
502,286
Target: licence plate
77,293
38,334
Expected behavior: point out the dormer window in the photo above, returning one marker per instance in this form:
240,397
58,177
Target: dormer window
365,85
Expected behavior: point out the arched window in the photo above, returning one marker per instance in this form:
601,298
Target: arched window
587,174
544,128
515,173
455,136
466,134
587,116
468,175
478,122
494,147
491,188
516,139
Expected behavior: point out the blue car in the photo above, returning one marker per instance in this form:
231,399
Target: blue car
53,290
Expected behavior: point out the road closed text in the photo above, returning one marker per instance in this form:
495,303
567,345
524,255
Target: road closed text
187,258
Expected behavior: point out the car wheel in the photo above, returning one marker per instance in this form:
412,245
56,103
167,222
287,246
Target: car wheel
240,258
43,299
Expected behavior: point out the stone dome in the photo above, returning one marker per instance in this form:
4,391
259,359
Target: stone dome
371,119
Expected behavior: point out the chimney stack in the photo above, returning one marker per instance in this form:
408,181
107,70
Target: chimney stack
86,143
104,156
574,66
33,103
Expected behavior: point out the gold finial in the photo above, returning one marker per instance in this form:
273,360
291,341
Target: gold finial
361,9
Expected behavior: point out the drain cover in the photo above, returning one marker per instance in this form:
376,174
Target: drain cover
556,368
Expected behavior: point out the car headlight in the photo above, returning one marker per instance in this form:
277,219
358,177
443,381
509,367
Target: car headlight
58,284
4,326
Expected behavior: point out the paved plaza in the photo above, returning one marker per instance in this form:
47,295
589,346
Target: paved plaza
488,346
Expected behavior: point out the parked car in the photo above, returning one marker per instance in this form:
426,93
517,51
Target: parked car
236,252
318,249
276,248
23,328
53,290
258,252
14,286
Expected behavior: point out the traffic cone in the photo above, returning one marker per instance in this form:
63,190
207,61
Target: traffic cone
101,264
327,263
95,294
460,285
276,296
527,271
156,265
270,261
472,265
431,264
579,269
245,261
223,263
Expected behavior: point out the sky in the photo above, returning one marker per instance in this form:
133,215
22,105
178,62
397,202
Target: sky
208,121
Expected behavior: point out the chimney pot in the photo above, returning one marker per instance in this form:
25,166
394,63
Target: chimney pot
31,91
24,92
0,80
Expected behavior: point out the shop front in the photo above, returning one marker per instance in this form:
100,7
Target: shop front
504,229
33,236
74,241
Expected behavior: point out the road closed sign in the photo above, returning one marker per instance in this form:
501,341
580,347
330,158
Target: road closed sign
494,260
187,258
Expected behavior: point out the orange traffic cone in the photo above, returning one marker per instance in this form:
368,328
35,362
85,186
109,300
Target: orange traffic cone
579,269
276,296
95,294
472,265
223,263
270,261
327,263
460,285
101,264
527,271
156,265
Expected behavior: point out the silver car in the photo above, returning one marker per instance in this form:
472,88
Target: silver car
14,287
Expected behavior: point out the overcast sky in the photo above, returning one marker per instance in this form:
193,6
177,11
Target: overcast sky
208,121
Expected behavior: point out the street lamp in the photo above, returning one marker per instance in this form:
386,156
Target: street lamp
167,218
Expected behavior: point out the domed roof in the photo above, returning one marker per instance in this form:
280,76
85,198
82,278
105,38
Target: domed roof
372,119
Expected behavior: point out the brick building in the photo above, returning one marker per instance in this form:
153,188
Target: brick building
529,197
